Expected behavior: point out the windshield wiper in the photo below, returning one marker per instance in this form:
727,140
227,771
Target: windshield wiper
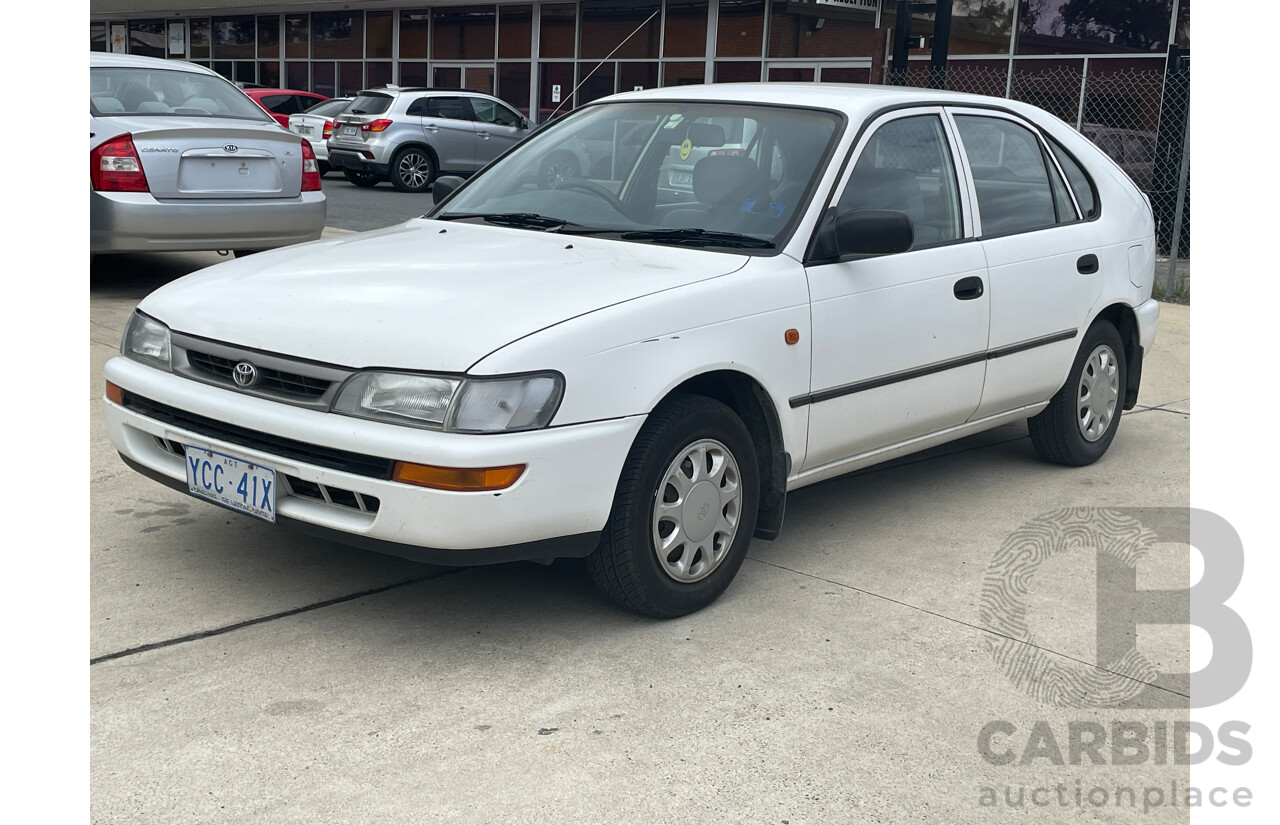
522,220
698,237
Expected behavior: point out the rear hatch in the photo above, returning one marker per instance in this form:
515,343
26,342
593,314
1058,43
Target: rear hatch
183,158
366,108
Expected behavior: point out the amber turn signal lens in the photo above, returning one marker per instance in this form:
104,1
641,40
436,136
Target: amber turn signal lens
791,336
114,394
463,480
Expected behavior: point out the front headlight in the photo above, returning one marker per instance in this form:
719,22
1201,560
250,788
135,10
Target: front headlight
465,405
146,340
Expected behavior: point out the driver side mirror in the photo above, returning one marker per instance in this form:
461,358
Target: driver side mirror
524,124
873,232
443,187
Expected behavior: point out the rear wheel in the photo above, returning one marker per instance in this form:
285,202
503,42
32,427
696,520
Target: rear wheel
683,513
365,179
412,169
1080,422
557,168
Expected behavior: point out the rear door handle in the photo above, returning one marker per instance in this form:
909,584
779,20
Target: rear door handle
966,289
433,128
483,135
1087,264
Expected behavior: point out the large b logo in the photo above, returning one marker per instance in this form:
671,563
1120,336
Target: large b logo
1119,539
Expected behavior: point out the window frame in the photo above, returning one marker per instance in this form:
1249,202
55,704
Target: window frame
960,171
1047,158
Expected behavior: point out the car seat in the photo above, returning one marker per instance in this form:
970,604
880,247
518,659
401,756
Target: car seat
726,188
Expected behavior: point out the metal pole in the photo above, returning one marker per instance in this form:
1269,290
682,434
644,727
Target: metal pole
1084,86
901,31
941,45
1183,174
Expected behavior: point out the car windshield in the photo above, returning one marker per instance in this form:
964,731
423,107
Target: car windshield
328,108
709,174
130,91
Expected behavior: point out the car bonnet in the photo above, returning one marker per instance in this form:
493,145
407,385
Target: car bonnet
423,295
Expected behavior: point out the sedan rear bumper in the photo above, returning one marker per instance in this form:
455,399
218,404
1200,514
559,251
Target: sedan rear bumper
138,222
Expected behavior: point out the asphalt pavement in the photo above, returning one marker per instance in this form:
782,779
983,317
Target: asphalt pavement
244,673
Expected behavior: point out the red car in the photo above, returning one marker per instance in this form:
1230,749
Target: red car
280,103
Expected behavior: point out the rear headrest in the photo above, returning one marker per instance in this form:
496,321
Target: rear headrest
706,134
726,179
152,106
108,104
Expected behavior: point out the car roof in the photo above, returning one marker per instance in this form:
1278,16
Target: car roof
133,61
855,100
252,92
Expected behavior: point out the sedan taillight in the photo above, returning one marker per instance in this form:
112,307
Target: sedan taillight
114,166
310,168
375,125
328,130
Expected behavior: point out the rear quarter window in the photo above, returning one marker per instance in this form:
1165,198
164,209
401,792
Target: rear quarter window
1081,184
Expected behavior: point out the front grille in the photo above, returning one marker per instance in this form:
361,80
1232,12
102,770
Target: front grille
290,383
355,463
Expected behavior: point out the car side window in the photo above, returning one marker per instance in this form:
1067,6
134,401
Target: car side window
449,108
906,167
488,111
280,104
1009,175
1083,188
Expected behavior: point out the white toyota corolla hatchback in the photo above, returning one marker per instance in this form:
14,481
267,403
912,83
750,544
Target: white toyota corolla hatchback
607,368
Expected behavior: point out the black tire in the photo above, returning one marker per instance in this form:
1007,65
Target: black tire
240,253
412,169
362,179
323,168
1059,433
627,565
557,167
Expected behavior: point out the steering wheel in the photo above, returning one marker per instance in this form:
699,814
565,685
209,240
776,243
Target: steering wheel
591,188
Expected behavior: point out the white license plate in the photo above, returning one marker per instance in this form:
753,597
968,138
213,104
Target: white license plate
304,130
232,482
349,130
682,179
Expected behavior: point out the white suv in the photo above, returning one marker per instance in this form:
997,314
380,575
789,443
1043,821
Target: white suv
410,135
603,368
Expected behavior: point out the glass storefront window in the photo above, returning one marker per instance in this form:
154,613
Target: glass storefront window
741,29
463,33
298,75
269,73
631,75
147,38
234,38
97,37
684,73
199,35
559,31
414,30
1063,27
515,32
350,79
413,74
513,83
377,74
737,71
297,36
324,78
982,26
608,25
811,35
596,81
337,35
553,78
686,29
377,41
268,36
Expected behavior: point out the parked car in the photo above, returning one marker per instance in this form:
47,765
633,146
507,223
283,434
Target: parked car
316,125
410,135
281,103
180,159
1134,150
598,369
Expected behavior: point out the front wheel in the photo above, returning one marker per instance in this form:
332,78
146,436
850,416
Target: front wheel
683,513
1080,422
412,170
362,179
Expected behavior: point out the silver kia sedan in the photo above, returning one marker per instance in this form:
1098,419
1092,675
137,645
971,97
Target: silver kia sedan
180,160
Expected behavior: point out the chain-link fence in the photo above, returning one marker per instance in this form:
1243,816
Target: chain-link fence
1138,116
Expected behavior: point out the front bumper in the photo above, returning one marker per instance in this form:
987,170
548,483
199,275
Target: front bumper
138,222
557,507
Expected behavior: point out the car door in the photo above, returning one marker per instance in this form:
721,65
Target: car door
497,128
447,125
898,340
1044,261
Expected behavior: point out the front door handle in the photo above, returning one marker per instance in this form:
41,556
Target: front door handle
1087,264
966,289
433,128
482,135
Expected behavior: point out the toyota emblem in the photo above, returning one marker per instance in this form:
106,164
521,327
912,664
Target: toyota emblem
231,147
245,374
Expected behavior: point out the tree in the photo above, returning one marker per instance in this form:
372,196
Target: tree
1139,24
